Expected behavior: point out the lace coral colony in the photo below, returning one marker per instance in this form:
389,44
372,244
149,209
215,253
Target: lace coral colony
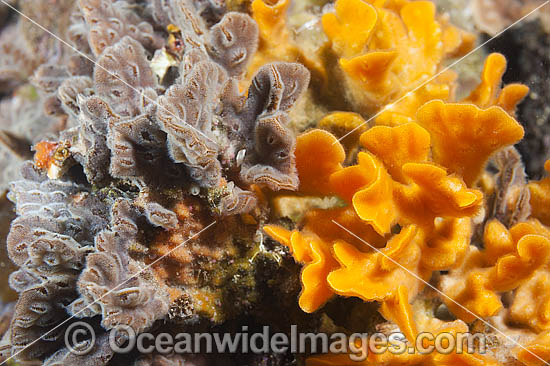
148,146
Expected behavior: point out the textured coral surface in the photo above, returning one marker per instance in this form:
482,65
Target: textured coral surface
203,165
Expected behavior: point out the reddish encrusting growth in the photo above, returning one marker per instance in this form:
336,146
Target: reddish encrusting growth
44,155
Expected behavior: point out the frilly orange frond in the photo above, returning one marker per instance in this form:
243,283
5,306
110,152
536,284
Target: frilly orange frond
270,18
316,255
530,227
388,48
510,96
374,201
315,290
279,234
425,49
275,42
498,241
408,143
398,310
294,240
349,180
511,270
318,155
447,244
438,206
350,28
416,358
434,194
517,258
321,222
372,276
454,358
488,92
475,296
404,111
300,246
464,136
372,73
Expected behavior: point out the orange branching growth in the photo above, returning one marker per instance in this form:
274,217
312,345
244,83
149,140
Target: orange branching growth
271,18
373,201
341,123
395,183
540,197
471,289
464,136
388,48
489,93
350,27
321,223
400,311
411,194
397,146
376,275
433,193
410,207
515,259
318,155
404,110
315,254
427,191
446,244
319,263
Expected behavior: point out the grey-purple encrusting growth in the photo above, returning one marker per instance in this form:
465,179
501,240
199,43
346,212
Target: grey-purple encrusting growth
49,240
132,136
122,75
119,288
211,125
98,354
108,22
160,216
